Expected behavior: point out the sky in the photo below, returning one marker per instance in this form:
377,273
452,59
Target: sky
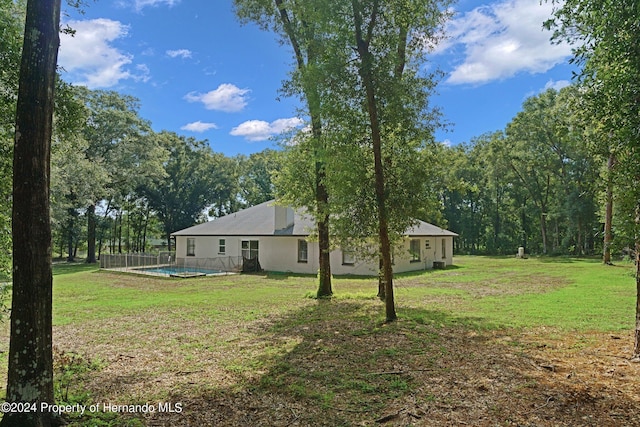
199,72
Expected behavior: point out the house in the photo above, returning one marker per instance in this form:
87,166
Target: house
277,237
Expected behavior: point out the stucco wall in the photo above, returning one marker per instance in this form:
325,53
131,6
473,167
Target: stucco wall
280,253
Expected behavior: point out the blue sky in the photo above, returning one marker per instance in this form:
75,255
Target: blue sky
199,73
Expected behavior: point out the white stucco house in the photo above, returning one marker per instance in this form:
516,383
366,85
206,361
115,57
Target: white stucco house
278,235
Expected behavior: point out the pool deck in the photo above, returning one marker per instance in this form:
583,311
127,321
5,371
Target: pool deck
184,275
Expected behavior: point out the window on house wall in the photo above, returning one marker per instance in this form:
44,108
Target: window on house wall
191,246
414,250
303,251
444,248
348,257
427,244
250,249
222,246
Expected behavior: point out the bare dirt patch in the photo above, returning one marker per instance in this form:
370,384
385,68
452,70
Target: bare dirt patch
327,363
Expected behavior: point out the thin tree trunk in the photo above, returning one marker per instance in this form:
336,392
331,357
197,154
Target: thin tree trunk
119,221
144,230
636,346
608,216
70,237
313,103
30,359
376,139
381,282
91,234
543,232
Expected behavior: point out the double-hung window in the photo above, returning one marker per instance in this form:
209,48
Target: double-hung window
348,257
303,251
414,250
191,246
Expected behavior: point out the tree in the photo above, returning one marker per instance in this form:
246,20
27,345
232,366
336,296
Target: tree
381,45
255,176
606,36
11,27
298,24
30,372
118,142
194,179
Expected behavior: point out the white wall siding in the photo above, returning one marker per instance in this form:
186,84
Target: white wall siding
280,253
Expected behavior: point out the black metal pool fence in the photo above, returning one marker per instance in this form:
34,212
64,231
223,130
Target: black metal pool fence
135,261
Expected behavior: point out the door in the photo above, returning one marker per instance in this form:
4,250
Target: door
250,249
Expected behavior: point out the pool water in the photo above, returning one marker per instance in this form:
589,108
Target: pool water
179,270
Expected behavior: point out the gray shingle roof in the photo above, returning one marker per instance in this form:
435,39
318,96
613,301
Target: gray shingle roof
259,220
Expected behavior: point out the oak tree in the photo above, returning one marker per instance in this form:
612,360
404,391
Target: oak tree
30,370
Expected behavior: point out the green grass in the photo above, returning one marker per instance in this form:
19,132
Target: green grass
578,294
584,295
266,336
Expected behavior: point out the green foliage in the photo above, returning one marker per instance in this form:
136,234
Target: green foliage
606,36
536,185
255,176
12,15
194,177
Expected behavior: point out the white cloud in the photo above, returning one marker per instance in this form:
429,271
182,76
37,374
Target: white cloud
140,4
91,60
258,130
502,39
557,85
199,126
227,97
183,53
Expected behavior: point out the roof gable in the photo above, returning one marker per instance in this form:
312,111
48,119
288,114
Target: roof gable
259,220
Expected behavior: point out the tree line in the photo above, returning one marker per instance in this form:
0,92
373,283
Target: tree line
371,138
535,184
541,183
116,183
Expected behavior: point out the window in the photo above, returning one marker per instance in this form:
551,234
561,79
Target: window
250,249
191,246
414,250
348,257
222,246
427,244
303,252
444,248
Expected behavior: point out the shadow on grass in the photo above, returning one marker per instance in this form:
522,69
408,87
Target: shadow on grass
281,275
73,267
330,364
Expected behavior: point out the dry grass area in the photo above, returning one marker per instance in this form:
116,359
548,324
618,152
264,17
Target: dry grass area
327,364
256,351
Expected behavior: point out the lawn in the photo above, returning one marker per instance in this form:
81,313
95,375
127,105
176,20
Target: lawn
489,341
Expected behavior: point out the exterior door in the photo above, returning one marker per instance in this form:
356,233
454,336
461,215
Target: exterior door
250,249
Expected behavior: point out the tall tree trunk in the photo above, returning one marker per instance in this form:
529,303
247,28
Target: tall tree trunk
636,346
70,225
313,103
608,216
322,209
30,370
543,232
119,222
324,285
144,230
376,139
381,282
91,234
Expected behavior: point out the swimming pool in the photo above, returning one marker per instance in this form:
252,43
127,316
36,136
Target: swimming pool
179,271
